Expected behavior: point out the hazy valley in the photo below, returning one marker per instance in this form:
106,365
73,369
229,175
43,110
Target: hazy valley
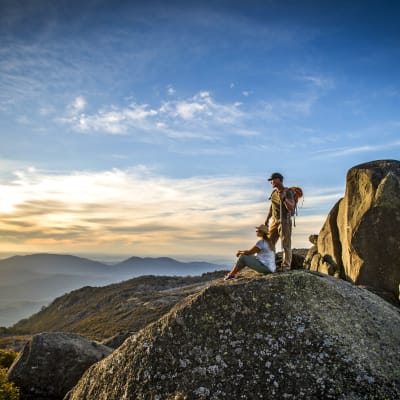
118,309
28,283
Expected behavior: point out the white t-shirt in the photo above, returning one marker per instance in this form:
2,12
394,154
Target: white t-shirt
266,255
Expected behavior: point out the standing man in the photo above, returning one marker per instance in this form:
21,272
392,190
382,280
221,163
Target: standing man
281,210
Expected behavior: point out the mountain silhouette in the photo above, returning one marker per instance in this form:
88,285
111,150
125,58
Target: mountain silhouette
103,312
30,282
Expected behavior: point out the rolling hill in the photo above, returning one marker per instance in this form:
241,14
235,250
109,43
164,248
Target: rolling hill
30,282
103,312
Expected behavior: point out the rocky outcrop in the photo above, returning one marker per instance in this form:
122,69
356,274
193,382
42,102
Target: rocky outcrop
360,238
50,364
295,335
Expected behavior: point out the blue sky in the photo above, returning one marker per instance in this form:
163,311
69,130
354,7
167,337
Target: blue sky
150,128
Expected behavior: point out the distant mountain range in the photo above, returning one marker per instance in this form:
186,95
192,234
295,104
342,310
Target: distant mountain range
115,310
30,282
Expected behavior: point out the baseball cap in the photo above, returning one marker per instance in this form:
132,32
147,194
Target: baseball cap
276,175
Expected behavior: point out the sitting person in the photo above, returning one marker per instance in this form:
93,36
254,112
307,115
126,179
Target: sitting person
263,261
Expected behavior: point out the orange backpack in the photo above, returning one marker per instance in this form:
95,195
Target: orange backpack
297,194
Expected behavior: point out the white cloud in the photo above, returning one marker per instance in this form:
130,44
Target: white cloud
114,120
171,91
79,104
187,110
203,108
124,207
175,118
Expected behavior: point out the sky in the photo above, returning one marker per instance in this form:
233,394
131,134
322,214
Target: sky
150,128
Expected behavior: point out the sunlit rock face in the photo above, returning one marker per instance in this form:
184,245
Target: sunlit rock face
360,238
294,335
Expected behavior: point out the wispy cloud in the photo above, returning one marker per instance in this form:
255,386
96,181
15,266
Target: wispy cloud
173,118
300,105
78,105
319,81
132,211
113,120
203,106
299,102
346,151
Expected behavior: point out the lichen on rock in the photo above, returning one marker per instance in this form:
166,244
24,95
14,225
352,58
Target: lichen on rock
297,335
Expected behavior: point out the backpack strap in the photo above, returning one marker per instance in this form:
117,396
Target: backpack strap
294,208
286,190
270,196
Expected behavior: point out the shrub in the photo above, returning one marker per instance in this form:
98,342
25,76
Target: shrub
8,391
7,357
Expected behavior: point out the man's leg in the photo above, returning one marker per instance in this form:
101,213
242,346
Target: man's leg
286,238
273,234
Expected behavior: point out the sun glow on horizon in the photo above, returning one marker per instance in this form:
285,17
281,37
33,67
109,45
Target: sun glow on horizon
135,212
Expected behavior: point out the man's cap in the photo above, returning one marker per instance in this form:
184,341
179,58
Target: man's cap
262,228
276,175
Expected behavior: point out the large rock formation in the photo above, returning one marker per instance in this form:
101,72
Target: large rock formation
50,364
295,335
360,238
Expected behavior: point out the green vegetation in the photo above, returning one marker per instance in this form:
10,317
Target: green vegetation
8,391
7,357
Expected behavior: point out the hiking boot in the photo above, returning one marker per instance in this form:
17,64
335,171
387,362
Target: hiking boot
230,276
